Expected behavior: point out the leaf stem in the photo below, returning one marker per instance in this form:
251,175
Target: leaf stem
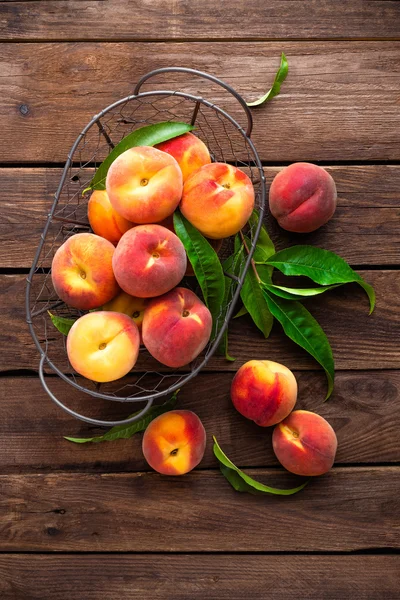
253,264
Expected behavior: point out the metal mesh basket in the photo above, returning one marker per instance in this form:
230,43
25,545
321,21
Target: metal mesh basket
227,142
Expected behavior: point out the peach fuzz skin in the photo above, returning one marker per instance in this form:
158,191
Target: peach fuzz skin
103,346
149,261
128,305
305,443
302,197
264,391
176,327
174,443
218,200
82,271
189,152
104,220
144,184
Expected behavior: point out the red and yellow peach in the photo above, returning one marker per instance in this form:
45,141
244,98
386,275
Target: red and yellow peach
149,261
302,197
218,200
104,219
144,184
264,391
176,327
305,443
103,346
174,443
189,152
82,272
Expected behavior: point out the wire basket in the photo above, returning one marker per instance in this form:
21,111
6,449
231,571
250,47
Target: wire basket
227,142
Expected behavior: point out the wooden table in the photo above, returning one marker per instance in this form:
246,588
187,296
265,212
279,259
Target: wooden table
92,521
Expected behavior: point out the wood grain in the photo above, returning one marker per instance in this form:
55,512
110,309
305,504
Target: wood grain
364,411
197,577
358,341
340,101
147,512
364,230
127,20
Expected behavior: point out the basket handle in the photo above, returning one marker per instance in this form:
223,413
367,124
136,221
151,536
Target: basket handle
81,417
205,76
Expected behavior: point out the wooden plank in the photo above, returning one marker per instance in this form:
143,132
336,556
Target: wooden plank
368,205
125,577
340,101
146,512
86,20
359,341
364,411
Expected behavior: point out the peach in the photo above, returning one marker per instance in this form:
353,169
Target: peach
174,443
218,200
216,244
103,346
302,197
144,184
264,391
189,152
82,271
104,220
305,443
128,305
176,327
149,261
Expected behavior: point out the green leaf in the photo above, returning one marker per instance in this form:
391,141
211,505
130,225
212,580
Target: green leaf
242,482
276,86
206,266
123,432
149,135
322,266
62,323
265,247
230,266
243,311
253,299
297,293
301,327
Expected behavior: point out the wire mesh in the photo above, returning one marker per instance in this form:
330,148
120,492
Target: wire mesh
226,141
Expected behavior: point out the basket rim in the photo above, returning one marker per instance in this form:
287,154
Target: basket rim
68,163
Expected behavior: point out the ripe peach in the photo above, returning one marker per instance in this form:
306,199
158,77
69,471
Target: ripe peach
305,443
264,391
216,244
176,327
302,197
218,200
149,261
104,220
189,152
103,346
144,184
82,271
128,305
174,443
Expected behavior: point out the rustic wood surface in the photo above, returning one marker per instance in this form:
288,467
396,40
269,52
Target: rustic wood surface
93,520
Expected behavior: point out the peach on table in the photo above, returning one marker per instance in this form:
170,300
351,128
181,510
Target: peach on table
174,443
305,443
264,391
